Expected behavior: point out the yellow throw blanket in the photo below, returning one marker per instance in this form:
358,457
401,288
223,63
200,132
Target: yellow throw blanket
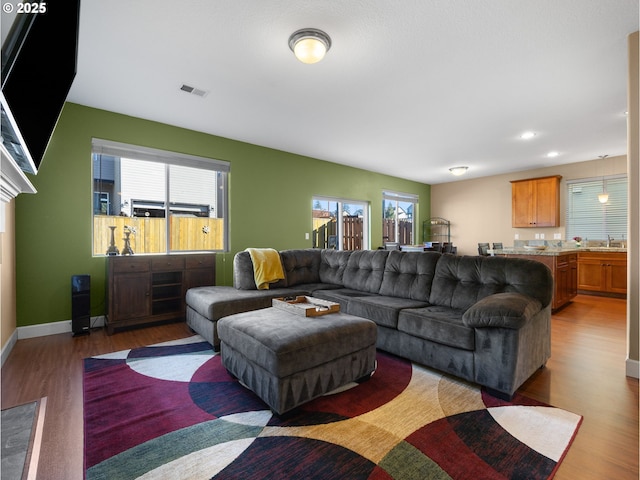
267,267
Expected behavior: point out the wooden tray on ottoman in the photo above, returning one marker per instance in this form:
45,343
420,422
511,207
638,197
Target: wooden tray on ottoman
306,306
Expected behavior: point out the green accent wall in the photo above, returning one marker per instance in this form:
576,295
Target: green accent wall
270,204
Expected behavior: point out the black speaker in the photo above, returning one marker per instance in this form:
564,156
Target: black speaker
80,304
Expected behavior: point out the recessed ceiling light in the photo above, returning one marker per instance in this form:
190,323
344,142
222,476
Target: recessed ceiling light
527,135
552,154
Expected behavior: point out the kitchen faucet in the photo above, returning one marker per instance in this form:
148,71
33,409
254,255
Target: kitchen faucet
609,238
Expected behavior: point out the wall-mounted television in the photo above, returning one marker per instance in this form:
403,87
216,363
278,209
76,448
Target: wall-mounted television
39,59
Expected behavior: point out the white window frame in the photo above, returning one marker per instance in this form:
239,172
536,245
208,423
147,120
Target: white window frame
366,245
396,198
164,157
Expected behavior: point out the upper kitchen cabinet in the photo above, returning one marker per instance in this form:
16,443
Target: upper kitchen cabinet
536,202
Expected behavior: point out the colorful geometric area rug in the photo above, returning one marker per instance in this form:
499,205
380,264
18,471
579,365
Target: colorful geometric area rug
172,411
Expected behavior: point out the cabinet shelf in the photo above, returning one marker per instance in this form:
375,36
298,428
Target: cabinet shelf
436,230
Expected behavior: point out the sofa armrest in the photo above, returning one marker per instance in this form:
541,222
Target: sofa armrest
509,310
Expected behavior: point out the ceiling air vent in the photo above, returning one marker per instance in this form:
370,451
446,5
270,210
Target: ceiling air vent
193,90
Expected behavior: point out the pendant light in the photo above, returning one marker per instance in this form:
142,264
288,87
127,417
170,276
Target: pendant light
604,196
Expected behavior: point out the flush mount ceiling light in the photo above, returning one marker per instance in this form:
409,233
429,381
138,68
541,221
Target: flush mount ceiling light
527,135
552,154
457,171
309,44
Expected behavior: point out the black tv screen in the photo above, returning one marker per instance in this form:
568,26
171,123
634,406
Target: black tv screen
39,59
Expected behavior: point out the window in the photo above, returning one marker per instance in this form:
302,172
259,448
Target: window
397,217
137,189
586,217
339,223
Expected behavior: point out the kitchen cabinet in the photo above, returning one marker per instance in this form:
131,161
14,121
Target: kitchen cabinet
564,270
535,202
148,289
602,273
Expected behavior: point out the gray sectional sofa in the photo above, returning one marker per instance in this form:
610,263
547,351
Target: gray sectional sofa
483,319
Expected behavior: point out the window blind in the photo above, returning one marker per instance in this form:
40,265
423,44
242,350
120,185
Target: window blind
123,150
586,217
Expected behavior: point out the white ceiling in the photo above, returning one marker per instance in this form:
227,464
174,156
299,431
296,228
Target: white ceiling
409,87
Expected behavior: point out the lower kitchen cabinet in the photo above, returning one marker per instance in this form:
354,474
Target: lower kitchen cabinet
564,269
602,273
148,289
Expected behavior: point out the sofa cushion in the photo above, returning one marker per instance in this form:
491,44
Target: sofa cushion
364,270
381,309
218,301
439,324
301,266
243,277
460,282
332,265
510,310
341,295
409,274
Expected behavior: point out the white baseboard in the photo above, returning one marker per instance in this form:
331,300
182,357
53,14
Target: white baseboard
44,329
633,368
6,349
54,328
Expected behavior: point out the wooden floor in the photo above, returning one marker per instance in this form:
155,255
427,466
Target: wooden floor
585,375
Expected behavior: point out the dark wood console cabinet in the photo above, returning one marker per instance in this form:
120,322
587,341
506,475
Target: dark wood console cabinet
148,289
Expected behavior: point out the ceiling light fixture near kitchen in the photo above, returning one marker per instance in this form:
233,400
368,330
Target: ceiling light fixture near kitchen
309,44
528,135
552,154
604,196
457,171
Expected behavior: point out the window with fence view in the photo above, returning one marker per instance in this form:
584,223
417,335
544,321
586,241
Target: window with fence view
152,201
397,218
340,224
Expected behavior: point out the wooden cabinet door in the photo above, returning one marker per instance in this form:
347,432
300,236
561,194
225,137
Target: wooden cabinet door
131,296
547,207
535,202
591,275
201,271
562,284
522,201
616,277
573,276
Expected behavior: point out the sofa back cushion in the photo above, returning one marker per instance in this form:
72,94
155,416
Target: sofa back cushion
332,265
365,270
409,274
459,282
243,278
301,266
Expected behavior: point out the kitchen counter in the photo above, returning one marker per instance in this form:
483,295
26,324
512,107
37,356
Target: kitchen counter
554,251
593,270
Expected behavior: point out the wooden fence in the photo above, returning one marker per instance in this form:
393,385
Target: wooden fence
405,231
186,233
325,232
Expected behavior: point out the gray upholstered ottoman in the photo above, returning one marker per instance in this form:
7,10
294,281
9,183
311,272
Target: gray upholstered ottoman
287,359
